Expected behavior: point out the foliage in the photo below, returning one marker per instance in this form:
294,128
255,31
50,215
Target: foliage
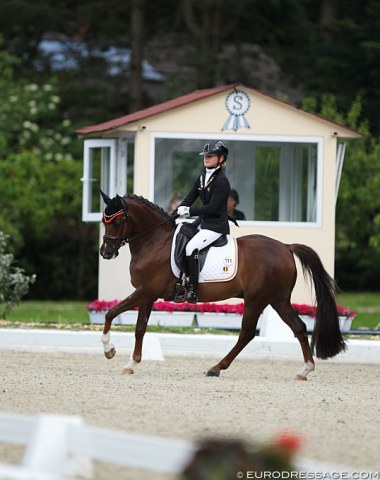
40,203
357,249
163,306
101,305
220,459
30,119
310,310
14,284
276,46
236,308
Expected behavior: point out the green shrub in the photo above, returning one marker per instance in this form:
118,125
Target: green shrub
14,284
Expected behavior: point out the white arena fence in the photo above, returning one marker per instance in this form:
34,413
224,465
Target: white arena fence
62,447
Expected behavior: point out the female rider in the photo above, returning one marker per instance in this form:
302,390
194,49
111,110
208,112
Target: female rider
212,187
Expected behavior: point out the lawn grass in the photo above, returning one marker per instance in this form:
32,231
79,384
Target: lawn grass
366,306
46,312
50,313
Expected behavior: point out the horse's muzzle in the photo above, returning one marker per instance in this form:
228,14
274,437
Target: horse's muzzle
108,253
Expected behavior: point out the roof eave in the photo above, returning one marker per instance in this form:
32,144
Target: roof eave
339,131
154,110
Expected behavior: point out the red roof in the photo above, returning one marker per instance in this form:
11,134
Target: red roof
154,110
184,100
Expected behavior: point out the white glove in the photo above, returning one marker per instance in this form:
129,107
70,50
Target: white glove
183,211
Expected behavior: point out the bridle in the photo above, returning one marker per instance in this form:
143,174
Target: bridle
124,240
109,219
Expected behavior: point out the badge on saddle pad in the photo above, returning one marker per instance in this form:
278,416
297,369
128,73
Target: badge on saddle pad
220,265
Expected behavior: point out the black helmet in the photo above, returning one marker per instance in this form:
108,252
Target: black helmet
215,148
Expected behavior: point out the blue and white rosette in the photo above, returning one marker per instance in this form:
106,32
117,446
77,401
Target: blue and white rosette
237,104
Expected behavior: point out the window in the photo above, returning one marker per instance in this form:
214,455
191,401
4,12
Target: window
277,180
98,173
177,165
108,165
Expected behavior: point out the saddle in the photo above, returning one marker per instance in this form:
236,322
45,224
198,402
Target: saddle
185,234
213,266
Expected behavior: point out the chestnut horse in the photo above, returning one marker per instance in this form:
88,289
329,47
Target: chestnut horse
266,275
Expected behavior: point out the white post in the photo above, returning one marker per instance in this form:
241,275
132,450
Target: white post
48,449
272,326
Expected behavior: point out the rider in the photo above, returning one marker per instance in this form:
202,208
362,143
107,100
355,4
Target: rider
212,187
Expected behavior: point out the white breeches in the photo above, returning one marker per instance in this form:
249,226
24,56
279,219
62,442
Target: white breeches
201,240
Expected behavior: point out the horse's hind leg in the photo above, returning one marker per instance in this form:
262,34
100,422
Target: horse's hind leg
247,333
289,316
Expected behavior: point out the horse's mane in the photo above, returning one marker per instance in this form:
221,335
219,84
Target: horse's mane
148,203
118,203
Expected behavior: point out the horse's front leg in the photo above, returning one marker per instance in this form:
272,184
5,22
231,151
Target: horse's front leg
141,324
127,304
109,349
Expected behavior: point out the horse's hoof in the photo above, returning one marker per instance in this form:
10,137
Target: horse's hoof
300,377
128,371
110,354
212,373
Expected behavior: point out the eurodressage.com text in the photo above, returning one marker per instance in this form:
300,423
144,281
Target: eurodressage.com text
308,475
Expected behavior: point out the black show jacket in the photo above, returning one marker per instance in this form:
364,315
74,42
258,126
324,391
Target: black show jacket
214,198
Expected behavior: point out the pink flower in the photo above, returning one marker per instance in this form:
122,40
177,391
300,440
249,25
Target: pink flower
238,308
289,442
101,305
304,310
345,312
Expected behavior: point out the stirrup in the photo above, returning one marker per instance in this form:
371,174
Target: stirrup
191,296
180,292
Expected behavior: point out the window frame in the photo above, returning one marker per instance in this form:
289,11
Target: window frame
110,189
318,140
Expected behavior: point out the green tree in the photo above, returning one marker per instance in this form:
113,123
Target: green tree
14,284
40,190
329,46
358,206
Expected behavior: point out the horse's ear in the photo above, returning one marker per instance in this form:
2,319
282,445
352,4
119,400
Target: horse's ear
122,201
105,197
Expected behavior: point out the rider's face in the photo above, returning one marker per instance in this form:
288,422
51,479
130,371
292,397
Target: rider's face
210,161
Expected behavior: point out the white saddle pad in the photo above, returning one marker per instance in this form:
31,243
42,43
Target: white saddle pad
220,265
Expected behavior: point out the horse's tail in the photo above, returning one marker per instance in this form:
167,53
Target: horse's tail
327,337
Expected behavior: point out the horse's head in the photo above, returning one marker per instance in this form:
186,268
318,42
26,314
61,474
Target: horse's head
129,218
114,219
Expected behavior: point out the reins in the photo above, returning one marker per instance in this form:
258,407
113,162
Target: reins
124,241
153,227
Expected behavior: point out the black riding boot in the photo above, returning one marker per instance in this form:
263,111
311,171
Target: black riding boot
191,296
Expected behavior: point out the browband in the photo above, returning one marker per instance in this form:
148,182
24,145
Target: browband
111,218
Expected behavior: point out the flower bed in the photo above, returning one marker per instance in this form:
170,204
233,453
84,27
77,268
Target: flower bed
208,315
97,306
237,308
310,311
